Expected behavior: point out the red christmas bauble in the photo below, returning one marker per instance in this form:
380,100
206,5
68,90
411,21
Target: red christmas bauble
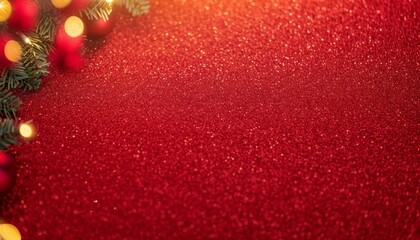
67,51
65,43
99,28
7,172
67,61
24,15
72,61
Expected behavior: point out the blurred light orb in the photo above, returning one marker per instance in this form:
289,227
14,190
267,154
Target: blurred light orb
5,10
60,3
12,51
9,232
26,130
27,40
74,26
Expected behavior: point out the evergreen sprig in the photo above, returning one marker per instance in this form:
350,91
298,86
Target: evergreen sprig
9,104
34,61
33,65
9,133
12,77
46,30
135,7
97,9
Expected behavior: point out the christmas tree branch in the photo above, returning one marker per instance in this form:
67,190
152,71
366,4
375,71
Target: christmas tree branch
12,77
33,65
34,60
9,133
9,104
97,9
46,29
135,7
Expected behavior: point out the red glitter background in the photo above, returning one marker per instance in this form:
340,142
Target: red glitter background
230,119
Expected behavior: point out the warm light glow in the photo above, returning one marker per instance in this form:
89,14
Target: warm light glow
26,130
9,232
27,40
74,26
109,1
5,10
60,3
12,51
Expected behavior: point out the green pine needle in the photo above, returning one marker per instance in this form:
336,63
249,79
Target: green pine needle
46,29
9,134
9,104
11,78
97,9
33,61
135,7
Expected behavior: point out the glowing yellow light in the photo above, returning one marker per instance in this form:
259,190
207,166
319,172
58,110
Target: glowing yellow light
26,130
27,40
60,3
5,10
109,1
74,26
12,51
9,232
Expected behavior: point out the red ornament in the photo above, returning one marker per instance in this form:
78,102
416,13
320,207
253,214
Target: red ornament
24,15
65,43
67,61
7,172
67,51
99,28
72,61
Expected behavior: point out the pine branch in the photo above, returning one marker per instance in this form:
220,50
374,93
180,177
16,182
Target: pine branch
34,60
9,133
9,104
97,9
46,29
33,65
135,7
12,77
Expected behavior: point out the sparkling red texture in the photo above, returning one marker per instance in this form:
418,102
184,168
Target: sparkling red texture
230,119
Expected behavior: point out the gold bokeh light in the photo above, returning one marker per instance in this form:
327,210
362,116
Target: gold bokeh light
9,232
12,51
27,130
74,26
5,10
27,40
60,3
